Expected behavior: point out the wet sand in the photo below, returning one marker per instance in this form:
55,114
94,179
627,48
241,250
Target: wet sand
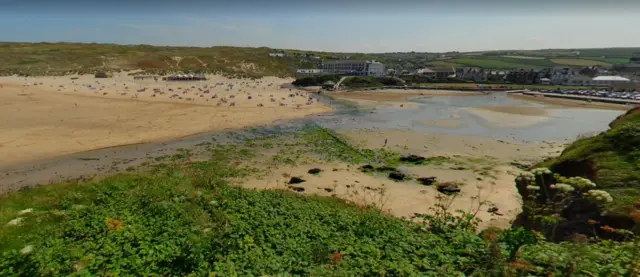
441,123
397,95
509,117
568,103
50,116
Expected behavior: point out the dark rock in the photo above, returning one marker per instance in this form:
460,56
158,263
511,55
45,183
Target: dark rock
397,175
448,188
297,189
458,168
314,171
385,168
427,181
296,180
520,165
366,167
413,159
328,189
335,169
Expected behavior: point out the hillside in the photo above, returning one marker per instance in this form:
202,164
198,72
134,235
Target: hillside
61,58
611,159
184,217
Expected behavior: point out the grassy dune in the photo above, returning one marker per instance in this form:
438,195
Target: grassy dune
61,58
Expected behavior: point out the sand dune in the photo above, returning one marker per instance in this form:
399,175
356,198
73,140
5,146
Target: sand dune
50,116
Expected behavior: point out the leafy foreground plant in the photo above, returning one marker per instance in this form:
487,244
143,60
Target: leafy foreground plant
184,219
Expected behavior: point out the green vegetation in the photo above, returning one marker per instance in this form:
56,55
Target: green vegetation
515,62
185,218
579,62
62,58
609,60
611,159
489,63
362,82
524,57
312,81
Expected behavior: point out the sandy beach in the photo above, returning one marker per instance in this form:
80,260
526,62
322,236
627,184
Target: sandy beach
51,116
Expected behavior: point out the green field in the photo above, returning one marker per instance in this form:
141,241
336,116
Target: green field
488,63
608,60
524,57
579,62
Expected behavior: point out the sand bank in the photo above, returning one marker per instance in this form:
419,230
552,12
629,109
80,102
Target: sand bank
564,103
505,120
50,116
441,123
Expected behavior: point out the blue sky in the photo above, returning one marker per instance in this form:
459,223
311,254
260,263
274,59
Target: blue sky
354,27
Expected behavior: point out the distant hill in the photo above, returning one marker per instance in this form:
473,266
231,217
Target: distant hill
61,58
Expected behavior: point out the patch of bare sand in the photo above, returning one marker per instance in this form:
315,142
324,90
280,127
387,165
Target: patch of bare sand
373,104
509,116
404,199
431,144
397,95
569,103
49,116
532,111
441,123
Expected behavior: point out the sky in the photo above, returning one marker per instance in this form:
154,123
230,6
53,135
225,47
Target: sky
329,25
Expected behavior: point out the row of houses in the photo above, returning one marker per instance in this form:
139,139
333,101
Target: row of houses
587,76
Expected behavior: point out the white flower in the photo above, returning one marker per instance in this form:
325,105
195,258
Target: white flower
581,183
599,196
540,171
26,250
25,211
563,187
15,222
533,187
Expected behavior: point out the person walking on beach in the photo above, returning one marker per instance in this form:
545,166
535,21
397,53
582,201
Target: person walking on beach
385,143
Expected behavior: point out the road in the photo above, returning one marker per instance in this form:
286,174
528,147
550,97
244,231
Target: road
582,97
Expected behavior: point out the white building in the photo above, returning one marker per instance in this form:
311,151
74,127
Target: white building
609,81
354,67
280,55
308,72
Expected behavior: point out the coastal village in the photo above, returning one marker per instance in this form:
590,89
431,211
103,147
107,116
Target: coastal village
364,155
625,75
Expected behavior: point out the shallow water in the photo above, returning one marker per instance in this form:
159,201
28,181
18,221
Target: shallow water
563,124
